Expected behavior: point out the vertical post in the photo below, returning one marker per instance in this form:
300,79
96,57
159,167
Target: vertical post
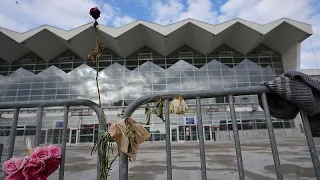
64,142
102,129
236,138
13,133
201,140
272,137
123,163
168,140
123,166
1,151
39,126
312,148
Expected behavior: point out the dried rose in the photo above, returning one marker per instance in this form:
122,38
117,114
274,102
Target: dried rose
178,106
95,13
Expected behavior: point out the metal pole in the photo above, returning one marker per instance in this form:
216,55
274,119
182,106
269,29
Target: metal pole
102,129
39,126
64,142
1,150
13,133
312,148
123,166
201,140
272,137
168,140
123,161
236,138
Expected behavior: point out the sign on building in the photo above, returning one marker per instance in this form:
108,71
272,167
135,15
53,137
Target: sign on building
59,124
190,120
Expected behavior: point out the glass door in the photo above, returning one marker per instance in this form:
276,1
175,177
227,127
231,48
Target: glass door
86,133
207,135
174,134
181,133
57,136
73,136
43,136
194,133
187,133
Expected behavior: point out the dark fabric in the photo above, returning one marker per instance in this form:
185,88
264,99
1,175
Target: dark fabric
294,90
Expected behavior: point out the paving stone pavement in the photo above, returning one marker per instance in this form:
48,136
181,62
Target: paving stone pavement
221,161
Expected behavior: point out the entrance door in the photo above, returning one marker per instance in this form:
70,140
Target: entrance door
191,133
174,134
54,136
207,135
73,136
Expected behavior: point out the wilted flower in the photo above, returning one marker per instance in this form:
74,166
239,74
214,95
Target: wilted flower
178,106
96,53
95,13
148,114
159,109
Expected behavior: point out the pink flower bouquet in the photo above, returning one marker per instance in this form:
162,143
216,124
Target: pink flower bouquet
41,163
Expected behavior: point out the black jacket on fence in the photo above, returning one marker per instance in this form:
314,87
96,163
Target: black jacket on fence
294,90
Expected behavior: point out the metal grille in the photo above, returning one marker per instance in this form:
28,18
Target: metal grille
230,93
41,105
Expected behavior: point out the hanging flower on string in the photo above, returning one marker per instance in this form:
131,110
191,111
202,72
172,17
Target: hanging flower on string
95,13
178,106
98,49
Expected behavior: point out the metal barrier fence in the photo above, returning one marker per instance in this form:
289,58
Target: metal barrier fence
123,162
41,105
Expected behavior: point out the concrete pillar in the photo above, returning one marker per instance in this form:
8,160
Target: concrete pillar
298,123
291,58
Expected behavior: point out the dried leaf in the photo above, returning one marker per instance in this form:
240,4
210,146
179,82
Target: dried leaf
178,106
104,146
132,140
148,114
96,53
159,109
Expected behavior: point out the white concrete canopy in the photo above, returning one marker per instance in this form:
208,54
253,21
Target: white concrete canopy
48,42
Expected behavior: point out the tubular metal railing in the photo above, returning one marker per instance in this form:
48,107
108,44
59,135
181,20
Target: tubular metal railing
123,162
41,105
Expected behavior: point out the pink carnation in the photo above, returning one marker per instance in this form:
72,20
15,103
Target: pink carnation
41,153
13,168
33,169
55,151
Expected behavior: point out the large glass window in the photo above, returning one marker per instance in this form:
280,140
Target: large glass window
123,80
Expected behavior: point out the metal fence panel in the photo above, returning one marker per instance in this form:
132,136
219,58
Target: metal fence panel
123,168
123,162
41,104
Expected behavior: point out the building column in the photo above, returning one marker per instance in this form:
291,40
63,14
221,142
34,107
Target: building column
291,57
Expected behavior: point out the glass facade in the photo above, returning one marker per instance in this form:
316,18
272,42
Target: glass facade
122,80
145,72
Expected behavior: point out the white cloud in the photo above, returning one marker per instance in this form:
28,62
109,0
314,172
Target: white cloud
259,11
122,20
70,14
171,11
264,11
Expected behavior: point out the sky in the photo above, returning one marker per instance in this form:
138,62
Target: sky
23,15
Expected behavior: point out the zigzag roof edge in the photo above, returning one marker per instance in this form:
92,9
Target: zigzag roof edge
164,30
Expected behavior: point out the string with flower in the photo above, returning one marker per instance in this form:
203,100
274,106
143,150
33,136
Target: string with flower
127,133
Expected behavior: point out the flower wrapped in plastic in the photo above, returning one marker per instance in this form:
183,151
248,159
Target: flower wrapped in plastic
42,162
178,106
